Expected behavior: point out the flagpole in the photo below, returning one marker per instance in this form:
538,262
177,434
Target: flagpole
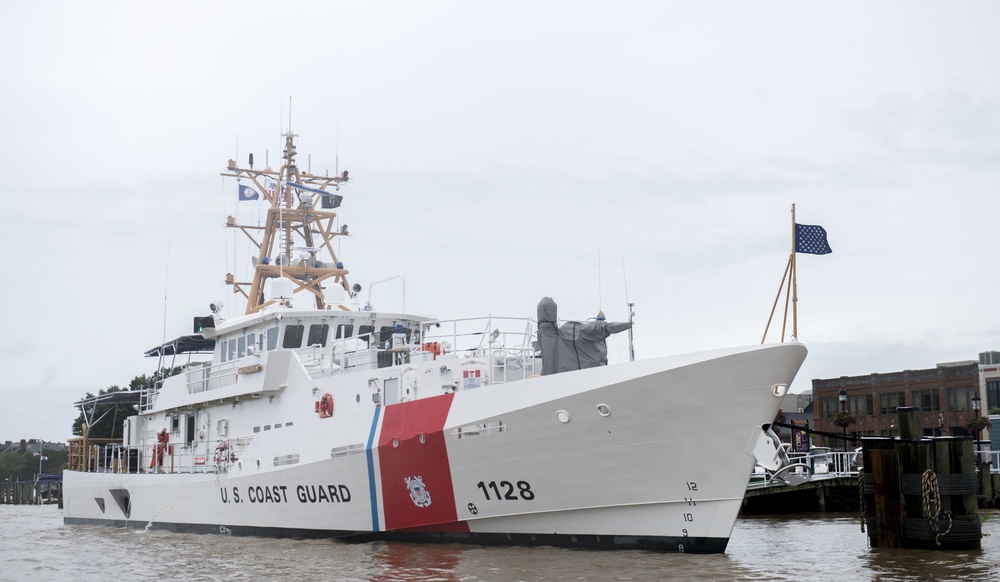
795,284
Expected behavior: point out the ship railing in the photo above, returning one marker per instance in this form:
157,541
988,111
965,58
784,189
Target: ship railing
507,343
213,457
341,355
361,352
203,376
228,452
85,454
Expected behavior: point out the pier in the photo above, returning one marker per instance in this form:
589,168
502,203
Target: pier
834,485
830,484
30,492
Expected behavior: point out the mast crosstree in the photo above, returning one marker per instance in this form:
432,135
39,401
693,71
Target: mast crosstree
296,241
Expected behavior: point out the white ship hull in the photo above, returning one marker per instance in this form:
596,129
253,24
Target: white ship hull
649,454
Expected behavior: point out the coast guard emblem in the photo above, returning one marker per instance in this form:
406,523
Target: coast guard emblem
418,493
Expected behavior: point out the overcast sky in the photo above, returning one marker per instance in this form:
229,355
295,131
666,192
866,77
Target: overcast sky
500,154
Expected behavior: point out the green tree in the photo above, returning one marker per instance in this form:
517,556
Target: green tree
108,418
18,466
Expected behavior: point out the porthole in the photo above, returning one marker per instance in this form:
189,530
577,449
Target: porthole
563,416
603,410
395,443
258,463
357,398
422,438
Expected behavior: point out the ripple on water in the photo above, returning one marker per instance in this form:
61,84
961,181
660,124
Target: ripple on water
830,547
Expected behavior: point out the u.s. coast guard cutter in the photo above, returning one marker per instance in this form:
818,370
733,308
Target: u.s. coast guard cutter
315,416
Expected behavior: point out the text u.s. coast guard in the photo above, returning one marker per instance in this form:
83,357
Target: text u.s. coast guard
281,494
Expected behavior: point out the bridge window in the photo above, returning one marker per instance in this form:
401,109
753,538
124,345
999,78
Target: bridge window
223,351
385,335
293,336
318,333
242,347
344,330
272,338
365,331
232,349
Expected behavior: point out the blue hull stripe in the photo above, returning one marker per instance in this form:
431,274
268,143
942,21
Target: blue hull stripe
371,470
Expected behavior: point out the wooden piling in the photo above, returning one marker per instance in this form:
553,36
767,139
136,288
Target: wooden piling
909,422
888,496
29,492
874,509
920,499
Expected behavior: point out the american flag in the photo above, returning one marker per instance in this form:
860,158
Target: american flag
811,239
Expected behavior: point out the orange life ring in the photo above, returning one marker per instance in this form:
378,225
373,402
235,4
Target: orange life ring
325,406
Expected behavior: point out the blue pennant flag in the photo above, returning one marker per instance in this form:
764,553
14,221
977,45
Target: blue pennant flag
247,193
811,239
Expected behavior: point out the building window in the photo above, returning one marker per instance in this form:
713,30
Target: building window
960,398
927,400
888,402
828,407
861,404
992,394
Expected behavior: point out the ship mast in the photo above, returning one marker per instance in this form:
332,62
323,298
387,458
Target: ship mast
298,233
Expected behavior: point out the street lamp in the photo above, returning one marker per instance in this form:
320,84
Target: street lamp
976,403
842,396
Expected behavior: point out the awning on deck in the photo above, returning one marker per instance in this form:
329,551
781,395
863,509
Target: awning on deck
186,344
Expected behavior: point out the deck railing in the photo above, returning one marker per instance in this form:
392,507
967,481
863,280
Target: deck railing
107,456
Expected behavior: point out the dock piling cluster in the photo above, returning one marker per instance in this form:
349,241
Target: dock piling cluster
920,492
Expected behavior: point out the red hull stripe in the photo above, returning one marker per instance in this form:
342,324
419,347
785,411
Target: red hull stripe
413,464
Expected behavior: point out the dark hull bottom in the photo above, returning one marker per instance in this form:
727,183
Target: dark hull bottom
608,542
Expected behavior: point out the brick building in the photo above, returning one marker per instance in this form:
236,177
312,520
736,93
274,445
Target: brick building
942,394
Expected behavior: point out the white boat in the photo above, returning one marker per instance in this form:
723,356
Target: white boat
312,415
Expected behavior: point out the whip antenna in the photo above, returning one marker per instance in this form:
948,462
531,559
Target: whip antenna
631,345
